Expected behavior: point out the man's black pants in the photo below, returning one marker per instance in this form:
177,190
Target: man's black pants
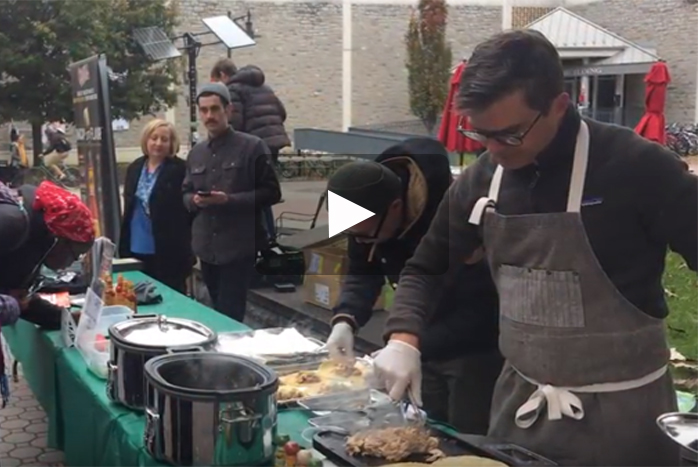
228,284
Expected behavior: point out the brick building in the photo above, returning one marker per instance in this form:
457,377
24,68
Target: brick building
300,48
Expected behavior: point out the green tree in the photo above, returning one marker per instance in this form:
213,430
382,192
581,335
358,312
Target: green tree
39,39
428,61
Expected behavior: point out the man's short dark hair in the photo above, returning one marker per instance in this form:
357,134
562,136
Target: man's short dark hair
224,65
511,61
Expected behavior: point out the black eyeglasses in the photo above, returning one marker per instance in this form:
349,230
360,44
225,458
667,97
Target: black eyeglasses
376,231
505,138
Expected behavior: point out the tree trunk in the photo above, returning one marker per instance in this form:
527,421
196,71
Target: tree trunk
429,124
37,143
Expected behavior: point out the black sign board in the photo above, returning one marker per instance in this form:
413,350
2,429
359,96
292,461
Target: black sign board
95,143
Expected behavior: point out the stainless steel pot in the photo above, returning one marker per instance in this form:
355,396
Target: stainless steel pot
208,408
135,341
682,428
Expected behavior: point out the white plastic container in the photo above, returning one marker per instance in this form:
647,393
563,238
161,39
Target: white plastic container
97,362
112,315
96,357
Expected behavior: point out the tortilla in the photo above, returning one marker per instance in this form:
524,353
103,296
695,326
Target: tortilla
468,461
456,461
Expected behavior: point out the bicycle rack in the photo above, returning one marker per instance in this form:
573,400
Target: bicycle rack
300,217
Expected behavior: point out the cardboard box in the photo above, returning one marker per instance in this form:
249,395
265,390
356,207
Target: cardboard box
326,264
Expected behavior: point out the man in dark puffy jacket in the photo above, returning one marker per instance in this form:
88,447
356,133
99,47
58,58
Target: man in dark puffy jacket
256,108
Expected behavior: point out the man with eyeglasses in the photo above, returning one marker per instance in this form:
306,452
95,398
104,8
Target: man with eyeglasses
576,217
403,187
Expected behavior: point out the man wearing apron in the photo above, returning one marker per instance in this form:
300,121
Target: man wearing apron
575,218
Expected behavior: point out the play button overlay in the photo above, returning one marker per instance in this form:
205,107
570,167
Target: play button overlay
342,214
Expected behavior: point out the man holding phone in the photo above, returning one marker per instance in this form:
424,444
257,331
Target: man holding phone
229,182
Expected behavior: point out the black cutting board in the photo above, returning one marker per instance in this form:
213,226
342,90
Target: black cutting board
331,445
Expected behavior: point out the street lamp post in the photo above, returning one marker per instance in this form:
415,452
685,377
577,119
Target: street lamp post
506,15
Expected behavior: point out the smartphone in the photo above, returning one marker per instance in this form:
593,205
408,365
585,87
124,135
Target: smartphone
203,193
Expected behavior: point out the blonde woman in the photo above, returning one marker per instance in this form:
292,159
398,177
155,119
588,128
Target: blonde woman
156,227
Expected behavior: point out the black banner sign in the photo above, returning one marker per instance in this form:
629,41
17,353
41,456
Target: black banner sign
95,144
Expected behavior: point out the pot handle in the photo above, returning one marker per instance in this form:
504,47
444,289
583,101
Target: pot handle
190,348
245,427
143,316
112,378
152,427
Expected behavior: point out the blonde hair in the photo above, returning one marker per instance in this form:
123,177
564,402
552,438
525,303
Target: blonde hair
150,129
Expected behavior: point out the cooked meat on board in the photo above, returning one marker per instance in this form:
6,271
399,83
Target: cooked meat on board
395,443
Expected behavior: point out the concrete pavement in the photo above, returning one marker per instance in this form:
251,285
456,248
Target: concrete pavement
23,431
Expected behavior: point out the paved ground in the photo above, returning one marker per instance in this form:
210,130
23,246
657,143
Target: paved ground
23,427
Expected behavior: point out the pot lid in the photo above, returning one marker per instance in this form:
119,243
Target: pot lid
160,331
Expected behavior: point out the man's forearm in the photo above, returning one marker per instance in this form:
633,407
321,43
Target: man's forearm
357,299
415,299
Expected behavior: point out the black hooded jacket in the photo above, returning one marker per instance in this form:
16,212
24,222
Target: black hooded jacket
256,108
467,319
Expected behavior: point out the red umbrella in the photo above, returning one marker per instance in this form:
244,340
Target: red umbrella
451,121
652,123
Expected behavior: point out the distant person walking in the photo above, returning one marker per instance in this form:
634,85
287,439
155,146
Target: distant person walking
257,110
18,161
58,149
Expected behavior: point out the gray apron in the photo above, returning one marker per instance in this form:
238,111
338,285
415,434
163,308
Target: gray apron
586,371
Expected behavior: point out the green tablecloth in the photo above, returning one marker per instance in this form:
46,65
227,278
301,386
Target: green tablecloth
83,423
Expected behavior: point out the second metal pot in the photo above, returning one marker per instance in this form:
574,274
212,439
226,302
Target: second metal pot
135,341
210,409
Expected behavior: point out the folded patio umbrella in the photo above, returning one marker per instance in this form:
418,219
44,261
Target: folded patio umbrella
652,124
451,121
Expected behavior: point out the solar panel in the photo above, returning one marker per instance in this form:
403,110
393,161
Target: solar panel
228,32
155,43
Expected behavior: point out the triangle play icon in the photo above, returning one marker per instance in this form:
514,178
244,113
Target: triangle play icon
342,214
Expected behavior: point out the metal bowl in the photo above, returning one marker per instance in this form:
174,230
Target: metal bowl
682,428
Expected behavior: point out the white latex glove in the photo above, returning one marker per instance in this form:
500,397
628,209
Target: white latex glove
340,344
398,367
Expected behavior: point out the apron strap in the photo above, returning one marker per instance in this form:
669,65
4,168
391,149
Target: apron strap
563,402
487,201
579,169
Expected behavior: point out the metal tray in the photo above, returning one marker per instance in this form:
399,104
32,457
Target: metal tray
350,421
324,405
275,358
682,428
327,402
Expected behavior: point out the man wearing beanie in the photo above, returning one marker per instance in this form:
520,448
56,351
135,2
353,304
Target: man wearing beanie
459,352
229,182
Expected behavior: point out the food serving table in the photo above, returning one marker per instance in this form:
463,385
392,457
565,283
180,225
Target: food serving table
83,422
